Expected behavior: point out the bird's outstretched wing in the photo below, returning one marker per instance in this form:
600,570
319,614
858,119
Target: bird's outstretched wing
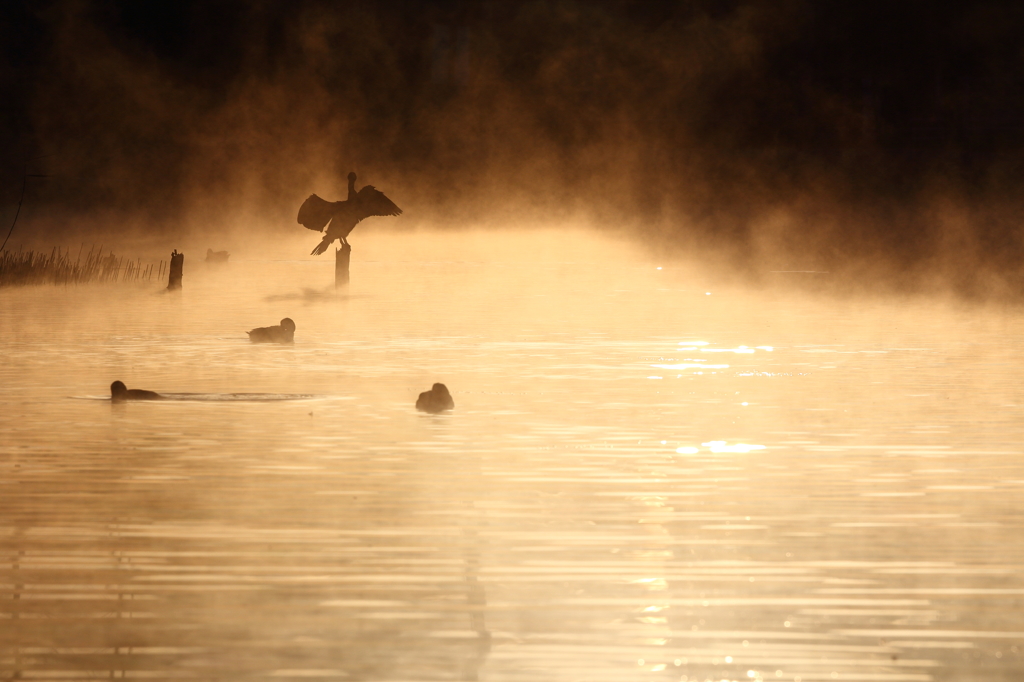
315,213
370,202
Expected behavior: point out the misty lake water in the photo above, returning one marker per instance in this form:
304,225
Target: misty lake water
646,476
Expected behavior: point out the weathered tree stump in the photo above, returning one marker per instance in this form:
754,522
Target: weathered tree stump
341,259
177,263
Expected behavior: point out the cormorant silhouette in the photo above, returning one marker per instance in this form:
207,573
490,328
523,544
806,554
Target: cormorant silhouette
343,215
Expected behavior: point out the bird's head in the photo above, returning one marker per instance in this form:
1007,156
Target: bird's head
351,177
287,324
118,390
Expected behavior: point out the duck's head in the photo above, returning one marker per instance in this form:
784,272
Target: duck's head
118,390
440,389
351,177
287,324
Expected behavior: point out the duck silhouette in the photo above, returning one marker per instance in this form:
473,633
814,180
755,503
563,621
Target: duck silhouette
437,399
315,213
120,393
282,333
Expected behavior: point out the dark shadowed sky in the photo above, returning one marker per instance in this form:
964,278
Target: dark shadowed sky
825,133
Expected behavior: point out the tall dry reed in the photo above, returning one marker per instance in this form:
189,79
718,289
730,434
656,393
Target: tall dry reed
31,267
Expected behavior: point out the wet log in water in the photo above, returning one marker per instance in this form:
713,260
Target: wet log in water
341,260
175,269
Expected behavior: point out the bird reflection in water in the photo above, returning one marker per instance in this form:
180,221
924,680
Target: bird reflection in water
343,216
282,333
476,605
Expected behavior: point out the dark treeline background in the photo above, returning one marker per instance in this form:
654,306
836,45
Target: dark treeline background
880,138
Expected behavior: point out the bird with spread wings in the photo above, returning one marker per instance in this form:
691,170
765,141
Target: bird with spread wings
315,212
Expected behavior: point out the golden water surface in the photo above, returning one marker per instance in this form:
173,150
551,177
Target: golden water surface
646,477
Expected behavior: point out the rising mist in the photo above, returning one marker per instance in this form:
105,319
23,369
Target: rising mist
875,141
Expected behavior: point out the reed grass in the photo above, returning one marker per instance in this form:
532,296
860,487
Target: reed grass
32,267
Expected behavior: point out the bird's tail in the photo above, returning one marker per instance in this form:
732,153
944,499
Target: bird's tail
321,247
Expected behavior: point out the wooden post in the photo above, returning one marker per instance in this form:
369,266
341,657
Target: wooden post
175,268
341,258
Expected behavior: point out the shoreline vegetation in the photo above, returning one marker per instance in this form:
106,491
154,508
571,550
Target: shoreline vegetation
38,267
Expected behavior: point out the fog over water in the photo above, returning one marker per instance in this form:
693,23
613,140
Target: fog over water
647,473
880,142
725,294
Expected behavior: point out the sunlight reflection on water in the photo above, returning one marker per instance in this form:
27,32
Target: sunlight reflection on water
841,501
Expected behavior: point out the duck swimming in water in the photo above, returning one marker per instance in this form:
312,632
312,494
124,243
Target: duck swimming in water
120,393
283,333
437,399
